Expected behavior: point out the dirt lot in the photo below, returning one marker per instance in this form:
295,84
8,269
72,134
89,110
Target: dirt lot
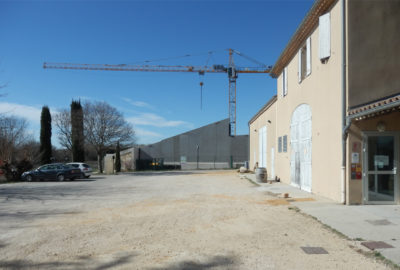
176,220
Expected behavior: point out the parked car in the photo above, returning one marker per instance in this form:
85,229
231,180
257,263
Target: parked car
55,171
85,169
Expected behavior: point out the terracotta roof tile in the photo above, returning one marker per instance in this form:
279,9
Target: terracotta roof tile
384,103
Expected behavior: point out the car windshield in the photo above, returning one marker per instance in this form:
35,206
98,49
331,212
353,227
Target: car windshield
85,165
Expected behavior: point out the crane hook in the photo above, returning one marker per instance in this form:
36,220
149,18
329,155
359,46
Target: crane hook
201,95
201,76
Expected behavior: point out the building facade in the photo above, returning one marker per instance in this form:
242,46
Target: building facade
333,127
208,147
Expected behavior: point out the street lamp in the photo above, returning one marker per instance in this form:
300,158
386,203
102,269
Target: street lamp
197,149
113,158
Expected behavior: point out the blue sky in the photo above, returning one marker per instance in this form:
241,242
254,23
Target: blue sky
159,105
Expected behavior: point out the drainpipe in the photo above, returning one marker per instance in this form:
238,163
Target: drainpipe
345,124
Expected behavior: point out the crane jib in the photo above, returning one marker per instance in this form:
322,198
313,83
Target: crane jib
198,69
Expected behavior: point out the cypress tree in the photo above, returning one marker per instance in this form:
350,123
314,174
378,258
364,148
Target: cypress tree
45,136
117,159
78,149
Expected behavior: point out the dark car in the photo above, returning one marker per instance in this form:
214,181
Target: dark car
55,171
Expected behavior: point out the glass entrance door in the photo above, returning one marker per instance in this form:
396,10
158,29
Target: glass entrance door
380,175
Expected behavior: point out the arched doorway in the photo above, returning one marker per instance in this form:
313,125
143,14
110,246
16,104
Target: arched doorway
300,142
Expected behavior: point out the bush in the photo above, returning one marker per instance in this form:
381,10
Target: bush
9,171
23,166
12,172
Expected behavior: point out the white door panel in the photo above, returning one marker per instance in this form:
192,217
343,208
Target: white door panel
300,141
262,140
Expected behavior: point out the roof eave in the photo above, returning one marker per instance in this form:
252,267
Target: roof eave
263,109
299,37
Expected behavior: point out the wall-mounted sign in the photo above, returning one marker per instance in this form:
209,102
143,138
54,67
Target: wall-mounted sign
358,167
355,158
183,159
356,171
356,147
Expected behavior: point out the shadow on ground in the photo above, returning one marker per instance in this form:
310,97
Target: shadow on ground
226,262
41,191
162,173
2,245
29,215
80,263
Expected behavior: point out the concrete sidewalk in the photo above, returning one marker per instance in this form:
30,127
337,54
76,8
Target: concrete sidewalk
363,223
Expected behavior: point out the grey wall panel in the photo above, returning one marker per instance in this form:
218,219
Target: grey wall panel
215,147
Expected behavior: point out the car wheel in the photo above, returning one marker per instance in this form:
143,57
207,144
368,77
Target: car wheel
82,176
29,178
60,177
87,176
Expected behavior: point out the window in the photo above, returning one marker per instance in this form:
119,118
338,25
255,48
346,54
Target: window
284,82
305,60
303,57
285,143
324,37
280,145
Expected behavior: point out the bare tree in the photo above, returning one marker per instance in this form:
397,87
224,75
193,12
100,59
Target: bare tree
29,150
104,127
62,122
12,135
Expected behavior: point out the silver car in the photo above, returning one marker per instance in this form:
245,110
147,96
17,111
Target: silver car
85,169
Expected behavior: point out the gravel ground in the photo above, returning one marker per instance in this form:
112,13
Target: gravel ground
171,220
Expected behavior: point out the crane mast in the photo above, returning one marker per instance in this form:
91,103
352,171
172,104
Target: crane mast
231,70
232,94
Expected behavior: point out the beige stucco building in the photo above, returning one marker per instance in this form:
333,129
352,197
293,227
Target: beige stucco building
333,127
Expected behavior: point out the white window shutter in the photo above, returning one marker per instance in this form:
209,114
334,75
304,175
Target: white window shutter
308,56
283,83
260,146
325,36
286,82
299,66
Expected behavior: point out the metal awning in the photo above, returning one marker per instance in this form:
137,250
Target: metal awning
375,108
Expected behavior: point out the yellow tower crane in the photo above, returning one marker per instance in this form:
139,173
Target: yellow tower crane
231,70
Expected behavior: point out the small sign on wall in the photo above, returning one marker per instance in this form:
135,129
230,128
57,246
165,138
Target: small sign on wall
356,171
356,168
355,157
183,159
356,147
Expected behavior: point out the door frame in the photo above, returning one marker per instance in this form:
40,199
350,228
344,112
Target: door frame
365,170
